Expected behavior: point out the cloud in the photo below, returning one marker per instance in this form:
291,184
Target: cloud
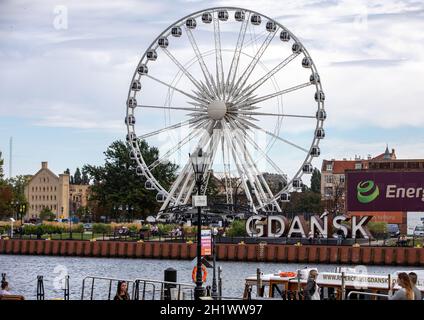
369,55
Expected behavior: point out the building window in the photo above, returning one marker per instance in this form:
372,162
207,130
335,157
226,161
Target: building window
329,167
358,166
342,178
329,179
328,192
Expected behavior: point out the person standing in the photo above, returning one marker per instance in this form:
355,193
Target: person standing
405,292
311,291
122,291
414,278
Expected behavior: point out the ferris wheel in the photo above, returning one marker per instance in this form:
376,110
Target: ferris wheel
237,84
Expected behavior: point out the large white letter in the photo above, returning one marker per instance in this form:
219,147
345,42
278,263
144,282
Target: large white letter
337,224
254,226
321,226
281,221
298,225
361,227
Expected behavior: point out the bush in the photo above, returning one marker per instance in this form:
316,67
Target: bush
237,229
377,228
47,214
102,228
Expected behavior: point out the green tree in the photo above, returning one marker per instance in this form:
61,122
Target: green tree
116,183
304,202
47,214
77,176
316,181
85,178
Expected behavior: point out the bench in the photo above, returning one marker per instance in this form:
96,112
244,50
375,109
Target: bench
11,297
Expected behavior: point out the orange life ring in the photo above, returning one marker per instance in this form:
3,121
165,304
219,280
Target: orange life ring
288,274
204,273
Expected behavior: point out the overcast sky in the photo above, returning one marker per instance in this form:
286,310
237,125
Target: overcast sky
66,67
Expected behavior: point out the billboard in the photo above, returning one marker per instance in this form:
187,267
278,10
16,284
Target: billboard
385,191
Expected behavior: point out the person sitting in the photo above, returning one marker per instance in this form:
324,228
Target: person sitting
122,291
4,291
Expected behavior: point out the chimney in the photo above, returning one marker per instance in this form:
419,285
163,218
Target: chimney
44,165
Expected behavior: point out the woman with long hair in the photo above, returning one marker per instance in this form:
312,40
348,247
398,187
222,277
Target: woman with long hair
406,292
122,291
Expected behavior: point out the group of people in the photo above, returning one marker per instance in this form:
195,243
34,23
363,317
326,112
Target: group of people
407,282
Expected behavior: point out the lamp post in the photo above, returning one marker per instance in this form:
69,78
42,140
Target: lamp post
199,162
214,285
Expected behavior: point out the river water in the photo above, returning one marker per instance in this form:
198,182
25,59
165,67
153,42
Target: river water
22,272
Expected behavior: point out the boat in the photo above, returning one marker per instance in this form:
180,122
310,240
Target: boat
342,284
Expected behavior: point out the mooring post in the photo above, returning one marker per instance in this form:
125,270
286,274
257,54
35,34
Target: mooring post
40,288
258,282
170,275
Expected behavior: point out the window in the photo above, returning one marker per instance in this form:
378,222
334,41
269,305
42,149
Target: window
328,191
329,179
358,166
329,167
342,178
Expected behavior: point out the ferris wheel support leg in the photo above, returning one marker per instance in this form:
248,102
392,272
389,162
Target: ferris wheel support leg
251,164
246,171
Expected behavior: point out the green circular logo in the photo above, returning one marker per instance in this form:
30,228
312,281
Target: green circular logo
367,191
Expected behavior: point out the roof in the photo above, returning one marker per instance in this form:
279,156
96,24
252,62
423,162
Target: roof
340,166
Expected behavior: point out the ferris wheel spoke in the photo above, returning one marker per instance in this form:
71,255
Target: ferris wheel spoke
262,152
171,108
272,95
174,149
202,64
178,90
218,56
236,57
253,113
251,88
171,127
185,71
246,74
187,167
251,125
266,193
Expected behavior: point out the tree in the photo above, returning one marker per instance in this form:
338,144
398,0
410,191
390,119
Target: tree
77,176
316,181
1,167
116,183
85,177
47,214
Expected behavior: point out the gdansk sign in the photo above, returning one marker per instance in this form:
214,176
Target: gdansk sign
385,191
279,226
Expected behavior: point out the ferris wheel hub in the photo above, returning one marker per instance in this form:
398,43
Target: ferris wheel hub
217,109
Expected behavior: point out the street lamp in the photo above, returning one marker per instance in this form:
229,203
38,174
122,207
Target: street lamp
199,162
214,286
11,227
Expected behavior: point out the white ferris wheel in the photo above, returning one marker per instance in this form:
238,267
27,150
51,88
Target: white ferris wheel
237,84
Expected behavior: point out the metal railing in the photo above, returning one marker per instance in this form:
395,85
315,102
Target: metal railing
162,290
141,289
108,281
361,293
